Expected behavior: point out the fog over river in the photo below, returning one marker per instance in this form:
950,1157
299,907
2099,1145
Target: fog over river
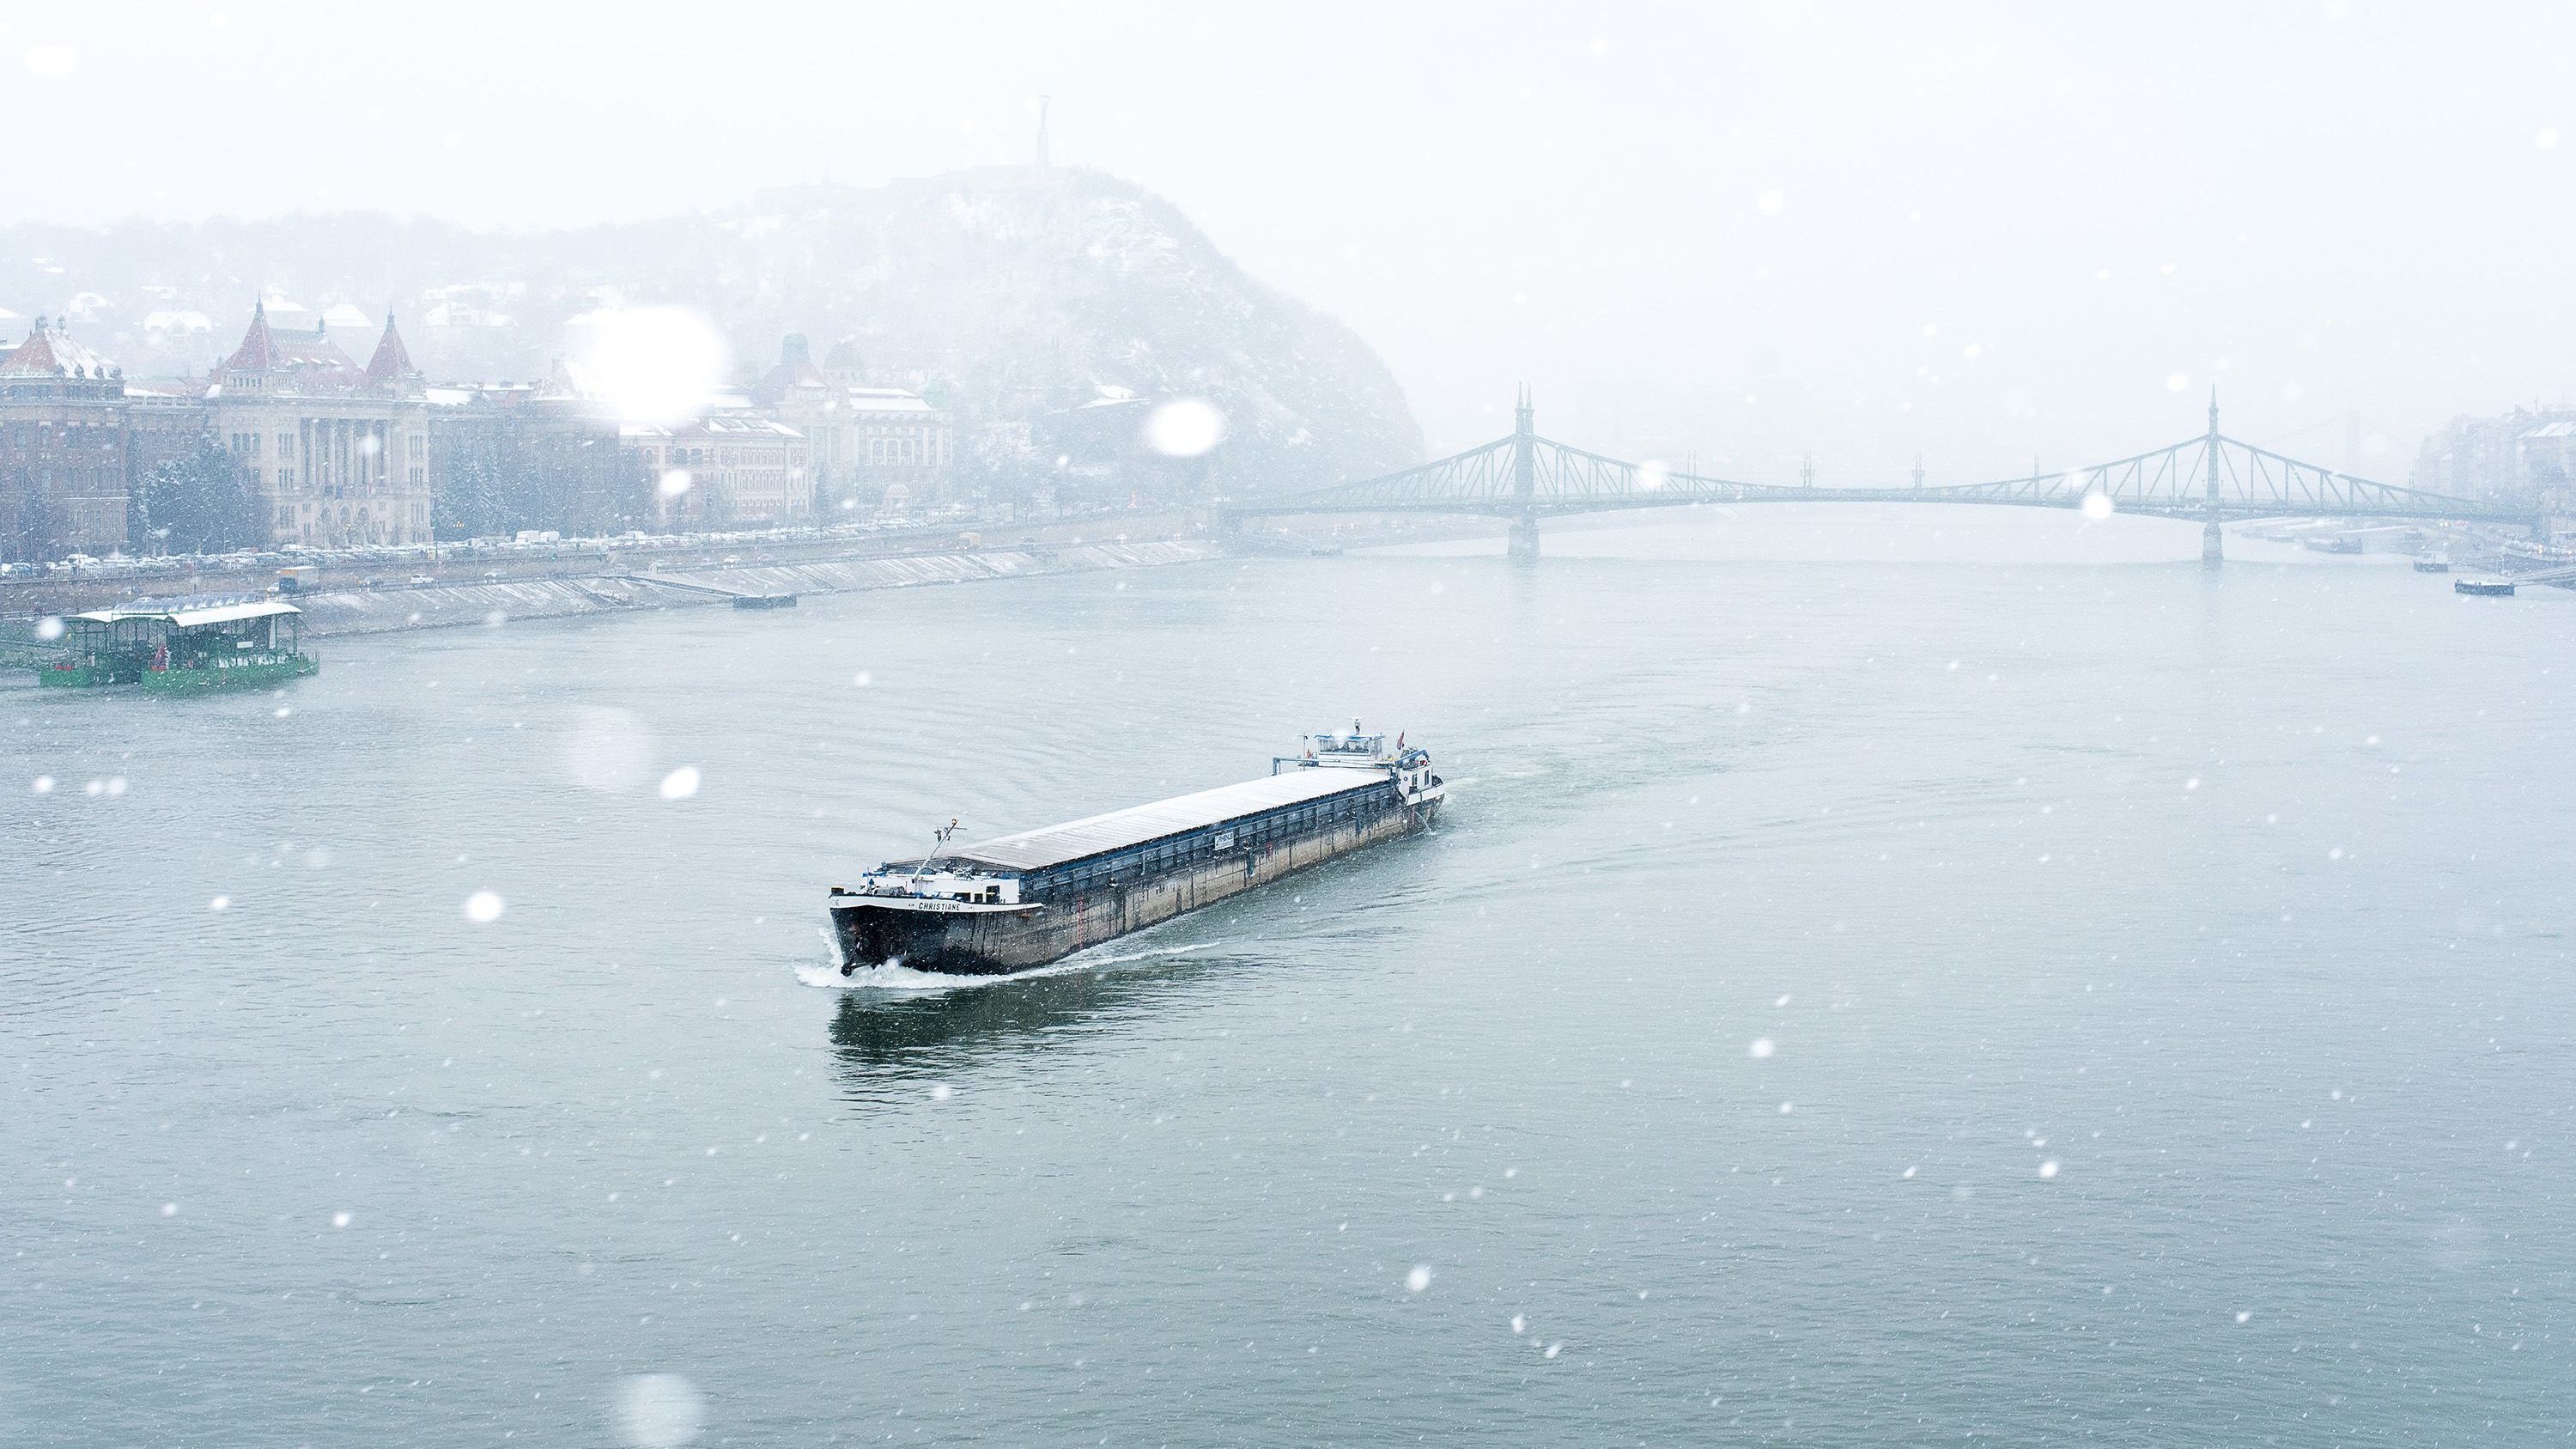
1883,977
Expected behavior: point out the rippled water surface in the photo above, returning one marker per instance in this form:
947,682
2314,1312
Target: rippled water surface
2004,984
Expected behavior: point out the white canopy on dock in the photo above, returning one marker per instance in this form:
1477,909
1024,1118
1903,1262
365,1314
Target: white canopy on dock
193,615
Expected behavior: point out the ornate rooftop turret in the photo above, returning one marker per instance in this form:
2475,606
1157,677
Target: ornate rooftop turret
258,350
392,363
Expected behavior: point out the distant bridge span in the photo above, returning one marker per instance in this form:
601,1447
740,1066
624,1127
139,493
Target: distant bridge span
2212,477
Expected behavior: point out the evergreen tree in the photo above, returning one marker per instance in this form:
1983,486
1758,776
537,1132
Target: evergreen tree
198,502
472,501
33,530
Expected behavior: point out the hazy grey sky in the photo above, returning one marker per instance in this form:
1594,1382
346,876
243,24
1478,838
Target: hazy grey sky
1733,233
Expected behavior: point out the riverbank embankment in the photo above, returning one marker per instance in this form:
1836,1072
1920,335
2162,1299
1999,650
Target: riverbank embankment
379,611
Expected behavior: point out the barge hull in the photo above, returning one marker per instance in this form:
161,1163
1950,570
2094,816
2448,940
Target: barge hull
870,931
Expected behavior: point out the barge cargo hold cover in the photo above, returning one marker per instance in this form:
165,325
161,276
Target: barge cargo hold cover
1019,901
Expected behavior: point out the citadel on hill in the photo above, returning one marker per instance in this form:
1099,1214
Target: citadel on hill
291,441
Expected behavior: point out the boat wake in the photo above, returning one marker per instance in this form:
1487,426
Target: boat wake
895,976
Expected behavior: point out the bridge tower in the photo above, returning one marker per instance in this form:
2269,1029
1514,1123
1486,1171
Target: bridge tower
2213,551
1524,536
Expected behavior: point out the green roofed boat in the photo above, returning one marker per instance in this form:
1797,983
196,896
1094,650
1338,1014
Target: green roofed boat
182,646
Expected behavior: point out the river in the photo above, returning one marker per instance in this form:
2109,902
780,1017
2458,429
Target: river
1882,978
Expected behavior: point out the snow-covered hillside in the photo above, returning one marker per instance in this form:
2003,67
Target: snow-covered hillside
1050,308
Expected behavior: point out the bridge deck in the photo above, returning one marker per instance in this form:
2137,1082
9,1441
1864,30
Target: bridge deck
2212,477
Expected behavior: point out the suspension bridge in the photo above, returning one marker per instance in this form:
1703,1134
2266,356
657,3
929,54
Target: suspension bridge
2212,477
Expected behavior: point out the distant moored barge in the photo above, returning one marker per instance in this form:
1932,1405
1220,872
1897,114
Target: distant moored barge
1025,900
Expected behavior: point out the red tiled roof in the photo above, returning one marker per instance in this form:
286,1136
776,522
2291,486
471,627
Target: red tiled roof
49,351
258,350
310,354
795,369
787,377
391,362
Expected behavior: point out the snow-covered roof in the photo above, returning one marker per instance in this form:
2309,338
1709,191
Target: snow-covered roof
1074,840
731,426
49,351
188,614
458,314
887,400
739,426
568,380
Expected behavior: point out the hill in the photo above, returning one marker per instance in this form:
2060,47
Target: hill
1051,308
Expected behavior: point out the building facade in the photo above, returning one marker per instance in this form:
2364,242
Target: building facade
872,449
512,456
732,468
64,464
337,454
291,443
2524,457
902,450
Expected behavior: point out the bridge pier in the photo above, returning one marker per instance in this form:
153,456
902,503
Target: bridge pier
1524,542
2213,547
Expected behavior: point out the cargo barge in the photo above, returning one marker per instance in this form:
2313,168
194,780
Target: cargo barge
1021,901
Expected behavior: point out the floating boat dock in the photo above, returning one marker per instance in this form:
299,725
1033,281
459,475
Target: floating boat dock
181,646
742,598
